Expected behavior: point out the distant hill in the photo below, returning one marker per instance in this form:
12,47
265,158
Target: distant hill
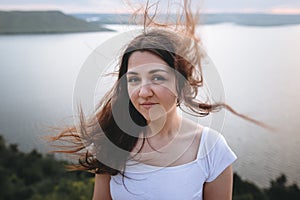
252,19
235,18
35,22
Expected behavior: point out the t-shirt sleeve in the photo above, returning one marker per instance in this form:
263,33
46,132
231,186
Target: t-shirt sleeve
219,158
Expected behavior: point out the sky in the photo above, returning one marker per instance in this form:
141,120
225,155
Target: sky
120,6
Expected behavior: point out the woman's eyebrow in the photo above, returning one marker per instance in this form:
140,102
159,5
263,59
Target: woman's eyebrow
158,70
133,73
150,72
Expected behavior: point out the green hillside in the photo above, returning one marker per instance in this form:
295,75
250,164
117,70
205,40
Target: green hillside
27,22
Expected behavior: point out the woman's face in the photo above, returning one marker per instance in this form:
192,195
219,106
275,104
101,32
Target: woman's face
151,85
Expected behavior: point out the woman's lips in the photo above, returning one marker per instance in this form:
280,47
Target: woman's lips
147,105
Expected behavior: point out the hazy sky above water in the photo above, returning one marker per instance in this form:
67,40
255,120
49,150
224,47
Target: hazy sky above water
120,6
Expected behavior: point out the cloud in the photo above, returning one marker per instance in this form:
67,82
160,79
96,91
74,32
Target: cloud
285,10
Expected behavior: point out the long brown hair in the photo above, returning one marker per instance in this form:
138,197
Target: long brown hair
101,144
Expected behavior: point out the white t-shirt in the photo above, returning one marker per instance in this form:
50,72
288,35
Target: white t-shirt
182,182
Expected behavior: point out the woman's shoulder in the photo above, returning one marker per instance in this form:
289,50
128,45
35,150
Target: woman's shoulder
213,142
205,135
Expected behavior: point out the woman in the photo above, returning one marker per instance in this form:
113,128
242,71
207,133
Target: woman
171,158
138,144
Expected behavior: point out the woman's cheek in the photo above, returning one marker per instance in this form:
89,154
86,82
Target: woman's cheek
133,96
166,90
132,91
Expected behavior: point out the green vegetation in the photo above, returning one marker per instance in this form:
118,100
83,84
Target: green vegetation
33,176
28,22
278,190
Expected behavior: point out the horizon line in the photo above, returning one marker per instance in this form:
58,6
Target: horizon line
128,13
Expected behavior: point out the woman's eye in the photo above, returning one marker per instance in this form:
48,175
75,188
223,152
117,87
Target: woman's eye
133,79
158,78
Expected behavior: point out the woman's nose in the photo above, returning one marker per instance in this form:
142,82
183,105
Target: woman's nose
146,91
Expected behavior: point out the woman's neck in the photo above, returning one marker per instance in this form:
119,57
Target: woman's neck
166,126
